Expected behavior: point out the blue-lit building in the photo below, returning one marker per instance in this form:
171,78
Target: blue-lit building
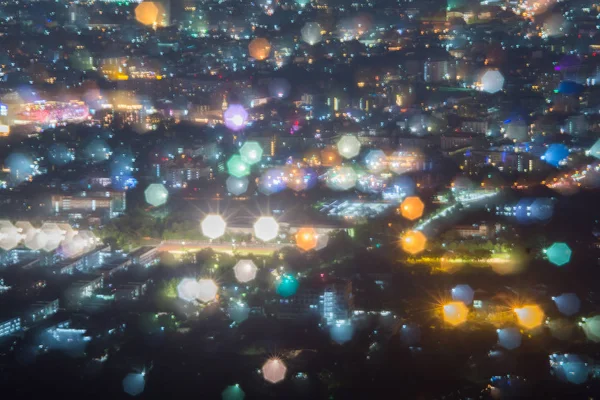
87,262
39,311
10,326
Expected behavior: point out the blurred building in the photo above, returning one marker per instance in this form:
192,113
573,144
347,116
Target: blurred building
330,302
112,203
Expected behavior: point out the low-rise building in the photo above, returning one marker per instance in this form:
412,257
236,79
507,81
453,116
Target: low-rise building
10,326
40,311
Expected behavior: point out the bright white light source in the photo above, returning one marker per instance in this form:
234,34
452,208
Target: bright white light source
213,226
266,228
245,271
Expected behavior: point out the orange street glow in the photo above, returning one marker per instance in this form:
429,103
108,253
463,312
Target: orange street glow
455,313
412,208
530,316
413,242
306,239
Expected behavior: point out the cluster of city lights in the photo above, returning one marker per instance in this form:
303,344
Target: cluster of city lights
49,237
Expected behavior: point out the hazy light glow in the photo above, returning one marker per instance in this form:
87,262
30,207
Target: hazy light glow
251,152
266,228
401,162
59,154
279,88
311,33
463,293
341,333
20,166
567,303
207,290
237,167
348,146
542,209
259,49
594,151
570,368
410,334
299,179
272,181
376,161
530,316
70,248
509,338
245,270
322,241
561,328
237,186
591,328
156,194
341,178
235,117
97,151
213,226
233,392
134,384
329,157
